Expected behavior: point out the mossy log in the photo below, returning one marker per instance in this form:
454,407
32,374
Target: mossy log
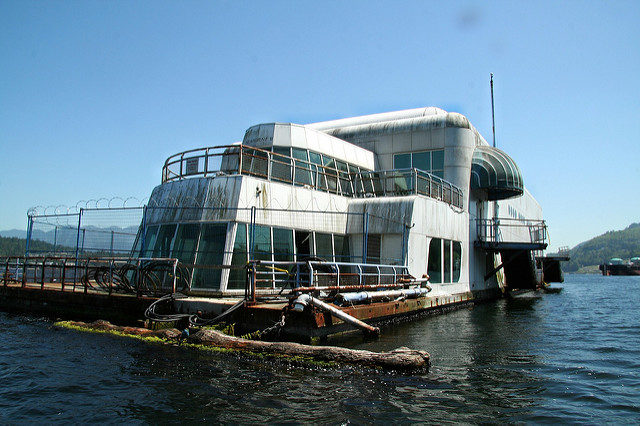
398,359
169,333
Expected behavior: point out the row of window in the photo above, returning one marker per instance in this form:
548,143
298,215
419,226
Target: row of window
203,244
444,261
300,167
428,161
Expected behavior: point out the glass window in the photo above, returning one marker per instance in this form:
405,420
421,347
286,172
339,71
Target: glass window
282,245
261,243
373,248
421,160
330,173
237,277
437,160
447,261
318,173
341,245
210,254
281,164
149,241
254,161
434,266
302,169
184,247
324,248
345,182
356,179
162,247
457,261
303,245
402,161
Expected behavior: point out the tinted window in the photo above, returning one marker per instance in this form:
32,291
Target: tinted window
282,245
184,247
237,277
421,160
402,161
210,253
262,243
434,267
323,246
447,261
162,247
457,261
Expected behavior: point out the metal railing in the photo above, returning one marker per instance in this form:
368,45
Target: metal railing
246,160
511,230
406,182
267,276
142,276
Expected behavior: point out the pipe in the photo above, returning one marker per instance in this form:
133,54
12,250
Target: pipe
303,300
373,296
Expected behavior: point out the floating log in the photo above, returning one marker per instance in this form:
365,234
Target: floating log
398,359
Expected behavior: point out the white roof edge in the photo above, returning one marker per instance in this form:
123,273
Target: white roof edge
377,118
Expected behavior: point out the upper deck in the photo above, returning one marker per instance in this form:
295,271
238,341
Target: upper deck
309,169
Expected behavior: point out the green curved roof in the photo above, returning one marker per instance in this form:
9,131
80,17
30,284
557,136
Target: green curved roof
494,171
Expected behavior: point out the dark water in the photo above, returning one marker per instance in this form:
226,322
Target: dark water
569,357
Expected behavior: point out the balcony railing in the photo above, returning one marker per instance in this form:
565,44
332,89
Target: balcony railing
246,160
509,230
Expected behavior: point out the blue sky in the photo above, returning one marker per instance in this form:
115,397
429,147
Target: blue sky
95,95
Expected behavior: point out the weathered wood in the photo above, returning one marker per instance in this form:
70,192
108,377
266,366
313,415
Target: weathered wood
399,359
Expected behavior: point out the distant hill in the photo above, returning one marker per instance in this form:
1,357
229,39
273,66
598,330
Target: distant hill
13,246
624,244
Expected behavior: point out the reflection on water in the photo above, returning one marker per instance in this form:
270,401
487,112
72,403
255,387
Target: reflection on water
570,357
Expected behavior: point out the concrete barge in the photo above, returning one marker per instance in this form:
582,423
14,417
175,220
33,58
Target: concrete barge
320,228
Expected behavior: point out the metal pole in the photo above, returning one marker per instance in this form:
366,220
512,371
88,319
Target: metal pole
252,233
365,232
29,231
111,248
493,119
55,238
144,230
75,267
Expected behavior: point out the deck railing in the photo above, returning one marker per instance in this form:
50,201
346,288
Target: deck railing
246,160
140,276
267,277
499,230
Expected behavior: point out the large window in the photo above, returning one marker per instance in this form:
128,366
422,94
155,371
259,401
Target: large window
434,265
184,247
210,253
373,248
445,261
162,247
237,276
282,245
324,248
341,244
261,243
457,261
429,161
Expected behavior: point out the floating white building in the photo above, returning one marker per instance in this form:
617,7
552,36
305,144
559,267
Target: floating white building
419,191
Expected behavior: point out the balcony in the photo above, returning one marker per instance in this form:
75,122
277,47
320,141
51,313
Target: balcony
348,181
500,234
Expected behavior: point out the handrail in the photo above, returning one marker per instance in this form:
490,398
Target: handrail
322,275
247,160
491,230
